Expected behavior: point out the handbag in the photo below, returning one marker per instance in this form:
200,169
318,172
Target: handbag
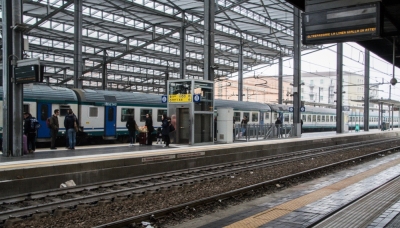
75,126
171,128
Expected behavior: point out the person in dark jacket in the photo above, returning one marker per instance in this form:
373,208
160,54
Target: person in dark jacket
165,129
131,125
29,132
278,125
243,124
150,128
54,126
69,122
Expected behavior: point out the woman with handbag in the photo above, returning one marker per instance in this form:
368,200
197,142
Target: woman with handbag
165,129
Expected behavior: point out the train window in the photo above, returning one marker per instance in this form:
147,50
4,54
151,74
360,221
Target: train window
236,116
327,118
323,119
44,109
303,117
267,115
254,117
275,114
126,113
314,118
93,111
331,119
160,112
64,110
246,114
143,113
361,119
110,113
318,118
286,117
334,118
308,118
26,108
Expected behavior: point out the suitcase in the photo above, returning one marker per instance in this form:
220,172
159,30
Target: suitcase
142,138
25,144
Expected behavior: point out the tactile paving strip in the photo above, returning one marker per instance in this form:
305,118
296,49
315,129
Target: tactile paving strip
288,207
364,211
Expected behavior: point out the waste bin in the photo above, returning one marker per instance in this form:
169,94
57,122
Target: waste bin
357,128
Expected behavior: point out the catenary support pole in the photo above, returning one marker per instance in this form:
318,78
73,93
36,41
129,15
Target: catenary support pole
297,72
78,63
366,90
339,88
209,15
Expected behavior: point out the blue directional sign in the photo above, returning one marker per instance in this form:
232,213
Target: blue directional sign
164,99
291,109
302,109
196,98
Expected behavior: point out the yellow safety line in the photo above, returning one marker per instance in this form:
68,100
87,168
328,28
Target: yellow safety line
288,207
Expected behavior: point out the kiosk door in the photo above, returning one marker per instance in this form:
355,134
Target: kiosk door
183,120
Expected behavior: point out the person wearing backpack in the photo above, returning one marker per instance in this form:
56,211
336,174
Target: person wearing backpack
54,126
69,123
30,128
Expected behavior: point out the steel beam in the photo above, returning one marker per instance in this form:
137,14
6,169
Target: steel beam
78,63
296,71
280,81
182,47
240,72
366,89
339,88
209,16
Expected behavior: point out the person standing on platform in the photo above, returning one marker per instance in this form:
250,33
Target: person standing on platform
244,125
165,129
30,131
278,125
54,126
301,126
70,124
150,128
132,127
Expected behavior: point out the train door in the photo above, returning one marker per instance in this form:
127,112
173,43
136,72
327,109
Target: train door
110,118
43,112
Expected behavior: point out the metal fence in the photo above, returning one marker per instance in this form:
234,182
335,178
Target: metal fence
262,131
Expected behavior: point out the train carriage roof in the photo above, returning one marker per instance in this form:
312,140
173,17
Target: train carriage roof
242,105
46,93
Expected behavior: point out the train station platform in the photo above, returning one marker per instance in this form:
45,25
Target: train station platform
366,195
90,164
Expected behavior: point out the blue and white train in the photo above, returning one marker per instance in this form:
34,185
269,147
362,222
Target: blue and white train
102,114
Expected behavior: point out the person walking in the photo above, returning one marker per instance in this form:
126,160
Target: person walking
150,128
132,127
54,126
71,126
165,129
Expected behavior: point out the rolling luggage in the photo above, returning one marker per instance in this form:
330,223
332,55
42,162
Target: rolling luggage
142,138
25,144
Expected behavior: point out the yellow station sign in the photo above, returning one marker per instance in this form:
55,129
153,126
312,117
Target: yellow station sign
174,98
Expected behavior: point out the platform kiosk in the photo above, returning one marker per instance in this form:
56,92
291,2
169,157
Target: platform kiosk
191,109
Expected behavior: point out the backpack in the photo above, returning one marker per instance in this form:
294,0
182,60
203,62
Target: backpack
48,122
35,125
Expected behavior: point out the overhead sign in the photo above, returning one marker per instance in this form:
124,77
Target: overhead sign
196,98
302,109
355,23
176,98
291,109
164,99
28,74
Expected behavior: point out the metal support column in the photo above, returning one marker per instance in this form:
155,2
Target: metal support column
182,69
366,90
339,88
240,72
280,81
379,116
78,63
209,15
297,72
17,91
104,71
392,115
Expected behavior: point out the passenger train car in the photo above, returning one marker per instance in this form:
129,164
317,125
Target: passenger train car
102,114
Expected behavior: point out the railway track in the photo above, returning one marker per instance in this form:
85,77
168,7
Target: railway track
50,202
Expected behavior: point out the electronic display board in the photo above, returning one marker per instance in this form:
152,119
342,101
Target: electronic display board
355,23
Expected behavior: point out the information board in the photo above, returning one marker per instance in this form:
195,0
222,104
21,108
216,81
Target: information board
28,74
175,98
356,23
